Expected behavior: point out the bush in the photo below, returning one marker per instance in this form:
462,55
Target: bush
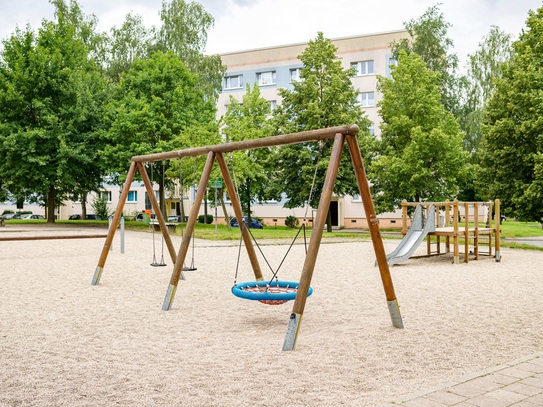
7,211
209,219
291,221
99,205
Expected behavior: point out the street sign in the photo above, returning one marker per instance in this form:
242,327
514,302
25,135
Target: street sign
216,183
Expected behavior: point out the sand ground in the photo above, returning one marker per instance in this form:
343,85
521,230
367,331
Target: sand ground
64,342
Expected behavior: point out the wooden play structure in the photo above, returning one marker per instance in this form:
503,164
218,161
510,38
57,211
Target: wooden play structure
340,134
446,217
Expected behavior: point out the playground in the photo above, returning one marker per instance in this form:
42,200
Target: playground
66,342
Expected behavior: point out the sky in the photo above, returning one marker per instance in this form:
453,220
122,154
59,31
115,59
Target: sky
247,24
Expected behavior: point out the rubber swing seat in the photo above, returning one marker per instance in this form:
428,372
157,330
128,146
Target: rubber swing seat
271,293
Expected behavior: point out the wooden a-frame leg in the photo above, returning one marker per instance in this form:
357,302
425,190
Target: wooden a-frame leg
314,244
113,226
177,269
239,216
158,212
375,233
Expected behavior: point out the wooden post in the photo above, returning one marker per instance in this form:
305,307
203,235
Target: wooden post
113,227
466,232
446,225
498,222
438,242
489,223
314,244
404,217
455,224
177,269
158,212
239,216
375,233
476,234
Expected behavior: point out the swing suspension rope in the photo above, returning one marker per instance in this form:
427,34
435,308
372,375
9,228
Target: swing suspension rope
155,263
185,268
272,292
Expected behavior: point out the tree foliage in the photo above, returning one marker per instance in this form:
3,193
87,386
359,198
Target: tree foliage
484,67
51,103
155,101
429,40
253,168
512,153
420,151
323,97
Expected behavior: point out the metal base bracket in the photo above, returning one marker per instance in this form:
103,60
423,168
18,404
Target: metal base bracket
97,275
169,298
292,332
395,315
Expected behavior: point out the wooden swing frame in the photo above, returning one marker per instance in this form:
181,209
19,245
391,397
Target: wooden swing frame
340,134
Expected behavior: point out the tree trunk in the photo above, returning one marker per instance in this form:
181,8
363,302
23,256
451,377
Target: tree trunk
226,217
329,221
51,205
162,201
205,208
181,207
83,198
248,204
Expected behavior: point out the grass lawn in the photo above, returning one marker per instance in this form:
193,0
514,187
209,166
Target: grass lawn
509,229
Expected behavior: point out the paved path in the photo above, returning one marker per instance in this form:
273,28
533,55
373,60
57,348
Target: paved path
518,383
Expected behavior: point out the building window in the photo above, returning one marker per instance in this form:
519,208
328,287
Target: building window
366,99
363,68
132,196
371,129
233,82
265,78
106,195
272,104
356,198
295,74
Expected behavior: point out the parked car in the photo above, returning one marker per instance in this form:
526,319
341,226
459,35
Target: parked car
254,223
9,216
90,216
31,216
176,219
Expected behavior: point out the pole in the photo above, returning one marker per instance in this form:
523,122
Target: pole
193,216
109,227
215,210
314,244
116,217
122,234
375,233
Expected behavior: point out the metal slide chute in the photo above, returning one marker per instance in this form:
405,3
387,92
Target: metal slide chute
414,237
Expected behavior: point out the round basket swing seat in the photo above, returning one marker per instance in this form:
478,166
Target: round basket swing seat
266,292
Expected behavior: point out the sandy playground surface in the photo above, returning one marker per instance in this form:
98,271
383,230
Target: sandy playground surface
64,342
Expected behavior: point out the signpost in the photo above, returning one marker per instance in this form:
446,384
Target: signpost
216,184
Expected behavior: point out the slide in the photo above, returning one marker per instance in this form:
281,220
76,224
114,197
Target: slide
416,234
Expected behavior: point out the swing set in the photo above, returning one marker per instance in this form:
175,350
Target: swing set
266,291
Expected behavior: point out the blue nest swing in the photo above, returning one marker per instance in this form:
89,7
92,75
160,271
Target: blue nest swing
268,292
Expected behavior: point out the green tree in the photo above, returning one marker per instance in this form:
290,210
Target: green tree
484,67
253,168
512,153
127,44
324,97
51,99
429,40
156,100
420,152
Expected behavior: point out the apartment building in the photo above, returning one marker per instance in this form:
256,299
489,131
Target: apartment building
274,68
